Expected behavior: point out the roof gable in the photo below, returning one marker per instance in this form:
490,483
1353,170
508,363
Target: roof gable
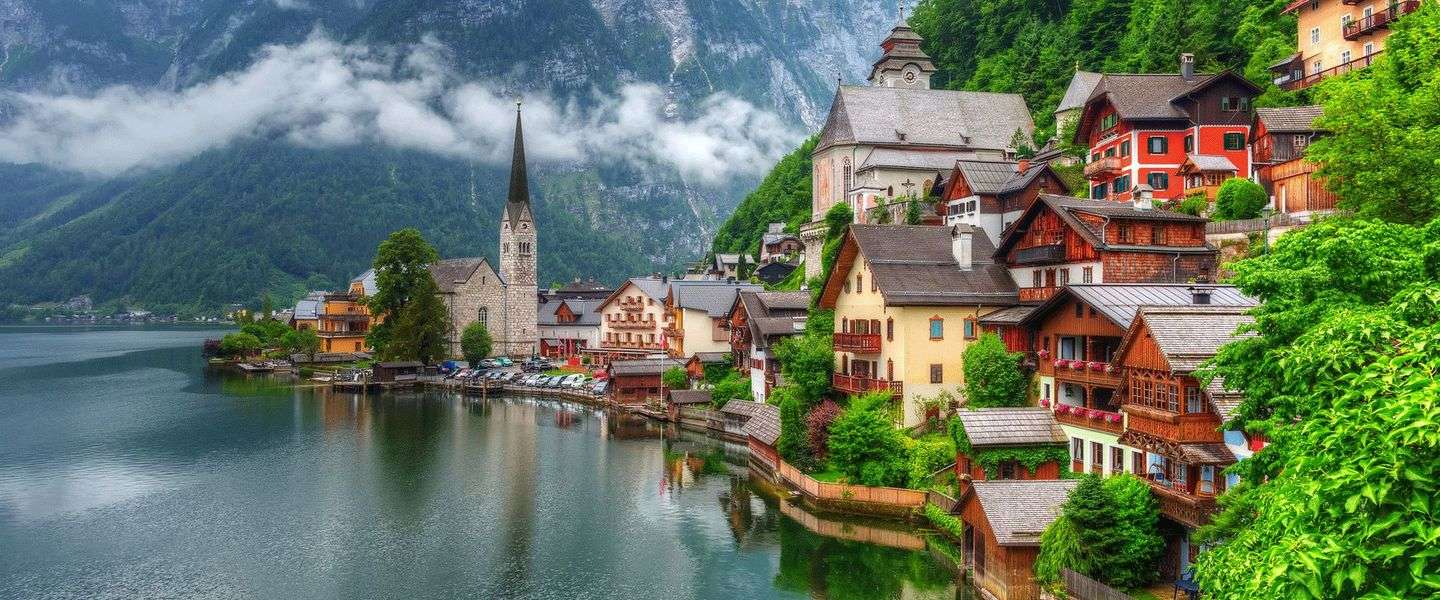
1019,511
1186,336
914,265
878,115
1067,208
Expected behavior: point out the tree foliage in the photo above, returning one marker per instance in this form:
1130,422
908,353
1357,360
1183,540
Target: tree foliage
423,328
793,444
807,362
475,343
782,197
1384,126
993,376
239,345
300,341
675,378
866,446
733,387
817,427
1107,530
1343,378
1239,199
402,273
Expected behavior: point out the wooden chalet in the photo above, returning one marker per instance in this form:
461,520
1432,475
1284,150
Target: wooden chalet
758,320
1278,139
398,372
1061,240
689,407
991,194
1003,522
762,431
997,428
1177,420
1203,175
695,367
638,382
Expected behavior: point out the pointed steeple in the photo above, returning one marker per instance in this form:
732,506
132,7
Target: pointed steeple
903,64
519,197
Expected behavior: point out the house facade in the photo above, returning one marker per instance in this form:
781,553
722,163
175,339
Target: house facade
1335,37
696,316
992,194
756,322
638,382
568,326
631,319
990,429
1141,128
1060,240
1003,522
1279,139
907,302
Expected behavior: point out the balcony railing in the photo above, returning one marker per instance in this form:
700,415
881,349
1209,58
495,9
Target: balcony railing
1037,294
1291,84
343,333
1378,20
1092,372
1194,510
630,306
673,333
1190,428
859,385
632,325
865,343
1098,420
1108,165
1040,254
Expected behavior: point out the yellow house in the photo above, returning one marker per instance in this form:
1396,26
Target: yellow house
907,302
340,319
696,316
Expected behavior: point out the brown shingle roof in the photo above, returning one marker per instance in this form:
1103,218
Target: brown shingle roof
1189,335
644,366
764,423
915,265
1292,119
1206,454
1019,511
452,272
1008,316
995,427
1147,96
740,408
689,396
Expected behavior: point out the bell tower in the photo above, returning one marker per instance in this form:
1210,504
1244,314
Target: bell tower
518,250
904,64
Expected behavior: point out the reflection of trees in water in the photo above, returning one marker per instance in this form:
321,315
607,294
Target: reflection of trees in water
627,426
739,513
837,569
406,429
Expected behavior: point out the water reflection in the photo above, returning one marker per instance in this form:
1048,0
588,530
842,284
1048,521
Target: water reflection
158,479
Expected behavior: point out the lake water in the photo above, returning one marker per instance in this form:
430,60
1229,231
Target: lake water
129,471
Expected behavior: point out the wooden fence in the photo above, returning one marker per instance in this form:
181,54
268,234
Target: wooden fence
852,531
817,490
1252,225
942,501
1085,588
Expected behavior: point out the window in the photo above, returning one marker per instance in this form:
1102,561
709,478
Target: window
1125,148
1121,184
1318,67
1344,20
937,374
1079,310
873,286
1109,121
1369,49
1124,233
847,174
1035,280
1097,458
859,283
1064,277
1110,152
1345,57
1315,35
1193,402
1157,235
1077,450
1157,145
1137,462
1189,144
1008,470
972,329
937,328
1207,480
1087,275
1159,181
1234,141
889,330
484,316
1047,391
1235,103
1298,143
1097,191
1069,348
847,286
1180,473
1095,157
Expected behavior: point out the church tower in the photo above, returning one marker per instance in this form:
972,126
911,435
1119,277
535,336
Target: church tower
518,249
904,64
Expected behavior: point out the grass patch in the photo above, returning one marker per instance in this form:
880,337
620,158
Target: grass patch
829,475
950,524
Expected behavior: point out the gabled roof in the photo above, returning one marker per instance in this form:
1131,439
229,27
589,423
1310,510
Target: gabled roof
689,396
1067,208
914,265
367,282
764,423
1118,302
654,288
644,366
1082,84
1010,427
938,118
453,272
915,159
1290,119
1187,336
987,176
740,408
1019,511
306,309
1201,163
1151,97
584,310
713,297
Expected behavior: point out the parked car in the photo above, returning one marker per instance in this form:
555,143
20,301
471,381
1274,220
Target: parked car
599,387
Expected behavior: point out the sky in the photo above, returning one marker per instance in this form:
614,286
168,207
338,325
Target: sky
323,93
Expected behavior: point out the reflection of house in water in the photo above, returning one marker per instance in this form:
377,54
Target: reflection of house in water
739,513
627,426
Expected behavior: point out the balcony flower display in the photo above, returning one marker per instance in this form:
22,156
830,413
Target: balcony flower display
1078,365
1060,364
1109,369
1061,408
1096,366
1112,418
1044,403
1095,414
1043,353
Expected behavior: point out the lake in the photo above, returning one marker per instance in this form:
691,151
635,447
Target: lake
128,470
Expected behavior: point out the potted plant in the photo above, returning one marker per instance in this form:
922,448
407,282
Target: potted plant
1044,403
1096,366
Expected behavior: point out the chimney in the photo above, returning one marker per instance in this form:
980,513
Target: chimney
665,278
1187,66
1023,166
1144,197
962,247
1200,294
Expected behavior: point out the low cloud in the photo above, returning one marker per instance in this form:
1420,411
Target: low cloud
322,93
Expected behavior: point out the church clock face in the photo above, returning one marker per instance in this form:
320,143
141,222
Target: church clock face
909,77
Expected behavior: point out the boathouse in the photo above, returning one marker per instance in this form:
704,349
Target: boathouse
1003,522
689,408
398,371
638,382
762,430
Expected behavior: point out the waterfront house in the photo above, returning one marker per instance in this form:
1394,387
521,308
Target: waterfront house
907,302
638,382
734,416
756,322
1060,240
630,320
306,314
568,326
1335,37
689,407
891,139
1177,420
1075,338
404,371
762,430
999,429
1278,140
991,194
1003,522
695,316
1140,128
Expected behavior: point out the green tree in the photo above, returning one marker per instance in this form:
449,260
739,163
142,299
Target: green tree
1384,126
675,378
866,446
928,455
731,388
1137,522
422,330
792,445
912,210
268,331
1239,199
475,343
1342,379
239,345
1091,510
402,273
267,306
992,374
1060,548
300,341
807,362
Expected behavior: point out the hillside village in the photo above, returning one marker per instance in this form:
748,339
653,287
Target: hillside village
938,251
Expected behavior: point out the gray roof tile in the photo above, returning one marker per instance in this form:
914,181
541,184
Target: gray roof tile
1019,511
994,427
1119,302
1292,119
452,272
921,160
1082,84
713,297
764,423
915,265
689,396
946,118
1190,335
988,176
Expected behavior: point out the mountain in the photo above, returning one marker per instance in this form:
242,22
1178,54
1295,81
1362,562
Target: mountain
196,181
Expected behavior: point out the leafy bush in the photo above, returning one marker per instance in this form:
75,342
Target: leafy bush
866,446
992,374
268,331
300,341
1239,199
732,387
817,425
947,523
675,378
793,444
928,455
238,345
1060,548
1194,205
475,343
806,361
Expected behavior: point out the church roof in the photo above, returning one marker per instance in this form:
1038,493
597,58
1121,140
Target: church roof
453,272
1081,85
920,160
518,201
920,117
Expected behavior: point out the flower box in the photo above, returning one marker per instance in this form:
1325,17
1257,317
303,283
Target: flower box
1094,414
1044,403
1060,364
1063,409
1096,366
1109,369
1043,354
1112,418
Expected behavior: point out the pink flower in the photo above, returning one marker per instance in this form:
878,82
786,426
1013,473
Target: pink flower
1109,368
1059,364
1095,366
1095,414
1113,418
1044,403
1043,353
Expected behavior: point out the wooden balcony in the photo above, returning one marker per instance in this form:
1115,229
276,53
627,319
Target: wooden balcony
1193,510
1037,294
1049,253
1095,420
647,325
851,384
674,333
350,333
1109,165
1183,429
1291,84
1087,373
861,343
1379,20
632,306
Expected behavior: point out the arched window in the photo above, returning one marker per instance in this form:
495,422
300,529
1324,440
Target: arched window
485,316
847,175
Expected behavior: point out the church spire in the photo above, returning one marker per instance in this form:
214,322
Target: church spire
519,183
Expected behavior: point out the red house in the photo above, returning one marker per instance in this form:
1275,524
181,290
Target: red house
1060,240
991,194
1141,128
1006,428
639,382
